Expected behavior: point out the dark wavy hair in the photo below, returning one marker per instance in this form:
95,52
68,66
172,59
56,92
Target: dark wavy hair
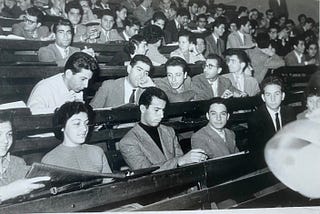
147,96
81,60
65,112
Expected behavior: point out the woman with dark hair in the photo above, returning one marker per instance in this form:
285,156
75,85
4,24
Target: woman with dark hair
13,169
120,16
71,122
137,45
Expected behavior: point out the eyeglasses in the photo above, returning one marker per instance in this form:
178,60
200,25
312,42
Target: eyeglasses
29,21
210,66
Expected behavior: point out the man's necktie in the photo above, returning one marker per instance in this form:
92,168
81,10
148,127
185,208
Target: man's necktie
132,98
277,122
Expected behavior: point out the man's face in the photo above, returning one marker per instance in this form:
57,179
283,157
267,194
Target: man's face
218,116
63,36
76,129
5,138
234,64
219,11
74,16
202,22
183,20
9,3
269,15
133,30
247,27
233,27
312,50
313,103
273,96
78,81
200,46
160,23
184,43
30,23
211,70
176,76
219,30
194,9
153,115
273,33
23,4
107,22
138,74
254,15
122,14
300,47
142,48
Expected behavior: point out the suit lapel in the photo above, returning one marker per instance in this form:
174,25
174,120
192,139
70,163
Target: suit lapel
268,120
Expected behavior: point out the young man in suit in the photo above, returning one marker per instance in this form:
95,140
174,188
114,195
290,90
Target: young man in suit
177,84
173,27
269,118
144,12
31,27
131,28
127,89
54,91
297,57
108,34
215,45
237,61
60,51
241,38
214,138
210,84
150,143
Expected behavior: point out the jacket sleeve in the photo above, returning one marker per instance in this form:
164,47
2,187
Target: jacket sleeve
100,98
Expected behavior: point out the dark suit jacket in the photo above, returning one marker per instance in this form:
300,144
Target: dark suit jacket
214,47
171,32
278,9
261,129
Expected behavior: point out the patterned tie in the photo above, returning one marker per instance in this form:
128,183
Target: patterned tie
132,96
277,122
66,53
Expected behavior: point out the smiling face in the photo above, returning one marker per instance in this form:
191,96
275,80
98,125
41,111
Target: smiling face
5,138
273,96
122,14
74,16
176,76
78,81
184,43
63,36
312,50
138,74
217,116
107,22
76,129
153,115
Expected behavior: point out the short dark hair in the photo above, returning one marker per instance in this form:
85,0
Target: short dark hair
131,21
80,60
302,16
269,11
217,58
73,5
242,9
242,56
5,116
183,12
271,80
159,15
152,33
105,12
141,58
263,40
294,41
150,92
64,22
133,41
218,100
177,61
202,16
242,21
65,112
310,20
34,11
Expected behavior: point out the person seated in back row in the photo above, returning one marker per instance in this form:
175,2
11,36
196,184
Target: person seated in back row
214,138
150,143
31,27
61,50
186,50
127,89
177,84
211,84
13,169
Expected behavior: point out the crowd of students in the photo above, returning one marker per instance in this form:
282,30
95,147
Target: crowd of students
235,53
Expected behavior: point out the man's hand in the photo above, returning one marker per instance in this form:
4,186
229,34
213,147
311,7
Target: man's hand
227,94
193,156
21,187
147,82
